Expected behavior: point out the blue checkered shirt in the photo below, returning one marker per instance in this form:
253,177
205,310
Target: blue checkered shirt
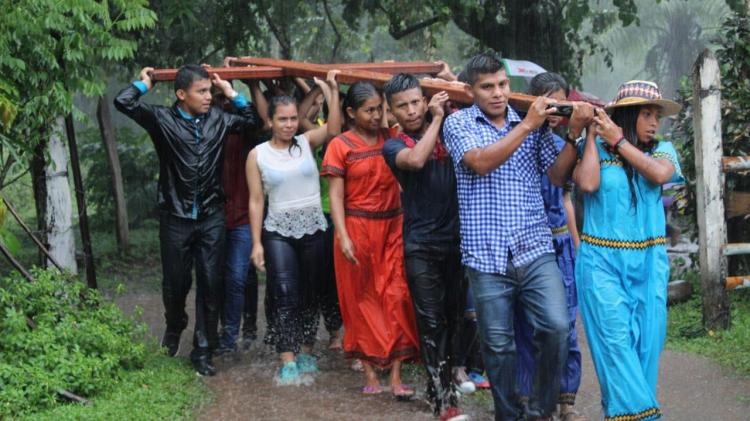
502,211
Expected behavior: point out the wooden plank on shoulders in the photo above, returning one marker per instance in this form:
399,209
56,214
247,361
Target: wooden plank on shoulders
228,73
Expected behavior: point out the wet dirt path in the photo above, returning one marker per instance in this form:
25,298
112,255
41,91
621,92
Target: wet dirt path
690,387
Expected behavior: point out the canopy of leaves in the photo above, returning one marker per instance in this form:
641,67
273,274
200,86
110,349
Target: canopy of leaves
51,49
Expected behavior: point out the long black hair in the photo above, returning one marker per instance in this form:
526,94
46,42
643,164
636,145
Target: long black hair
273,104
357,95
627,119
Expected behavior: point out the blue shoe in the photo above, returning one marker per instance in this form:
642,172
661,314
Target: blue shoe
307,363
479,380
289,374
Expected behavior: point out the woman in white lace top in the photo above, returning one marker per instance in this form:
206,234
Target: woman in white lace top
289,242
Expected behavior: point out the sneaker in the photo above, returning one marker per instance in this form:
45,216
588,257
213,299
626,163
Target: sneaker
462,381
306,363
453,414
289,374
479,380
171,341
204,367
247,342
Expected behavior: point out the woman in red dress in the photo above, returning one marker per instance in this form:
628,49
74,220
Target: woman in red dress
365,199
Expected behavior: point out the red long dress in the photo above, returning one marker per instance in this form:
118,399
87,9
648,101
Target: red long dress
374,297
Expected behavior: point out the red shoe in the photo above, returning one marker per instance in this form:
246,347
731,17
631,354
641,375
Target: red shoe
479,380
453,414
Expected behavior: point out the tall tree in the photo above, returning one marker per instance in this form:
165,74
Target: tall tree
548,32
50,49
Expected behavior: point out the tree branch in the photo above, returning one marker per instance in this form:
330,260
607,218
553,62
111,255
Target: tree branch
335,31
397,33
286,47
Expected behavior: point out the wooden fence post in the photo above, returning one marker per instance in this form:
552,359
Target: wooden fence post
712,233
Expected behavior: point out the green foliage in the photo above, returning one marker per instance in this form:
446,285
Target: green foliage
730,348
79,342
51,49
138,163
734,58
164,389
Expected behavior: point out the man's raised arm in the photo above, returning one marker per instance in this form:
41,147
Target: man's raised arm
128,101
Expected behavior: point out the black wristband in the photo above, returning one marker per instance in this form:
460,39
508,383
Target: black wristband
573,142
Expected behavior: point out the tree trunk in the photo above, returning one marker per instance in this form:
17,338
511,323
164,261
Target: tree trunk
39,184
59,206
104,118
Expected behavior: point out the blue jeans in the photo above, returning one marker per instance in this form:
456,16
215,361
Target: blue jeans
239,275
538,290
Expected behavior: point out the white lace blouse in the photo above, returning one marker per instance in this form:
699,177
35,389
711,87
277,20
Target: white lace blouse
290,181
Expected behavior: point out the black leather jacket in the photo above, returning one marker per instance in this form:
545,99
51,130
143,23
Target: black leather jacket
190,150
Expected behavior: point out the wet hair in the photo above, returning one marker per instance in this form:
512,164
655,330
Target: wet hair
359,93
627,119
356,96
275,103
400,83
482,64
548,82
461,76
188,74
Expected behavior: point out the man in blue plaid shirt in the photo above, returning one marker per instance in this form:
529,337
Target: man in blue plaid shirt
506,242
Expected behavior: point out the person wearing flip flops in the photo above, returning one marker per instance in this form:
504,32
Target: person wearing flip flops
379,325
432,255
289,242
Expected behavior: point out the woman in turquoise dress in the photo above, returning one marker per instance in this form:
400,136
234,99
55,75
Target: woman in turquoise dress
622,267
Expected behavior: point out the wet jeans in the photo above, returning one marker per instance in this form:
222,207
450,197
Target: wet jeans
539,291
239,276
437,287
293,267
184,243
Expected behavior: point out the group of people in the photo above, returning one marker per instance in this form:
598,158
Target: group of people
410,223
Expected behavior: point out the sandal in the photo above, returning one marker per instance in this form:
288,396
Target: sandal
372,390
402,392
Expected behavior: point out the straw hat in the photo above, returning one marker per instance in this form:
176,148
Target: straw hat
641,92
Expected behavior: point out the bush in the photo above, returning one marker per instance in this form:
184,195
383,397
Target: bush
59,335
140,169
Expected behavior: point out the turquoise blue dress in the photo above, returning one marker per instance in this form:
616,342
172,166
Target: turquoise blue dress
621,274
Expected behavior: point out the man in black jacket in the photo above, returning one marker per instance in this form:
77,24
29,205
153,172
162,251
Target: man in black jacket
189,138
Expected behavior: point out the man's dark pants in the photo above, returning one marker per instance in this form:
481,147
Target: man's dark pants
538,289
436,283
186,243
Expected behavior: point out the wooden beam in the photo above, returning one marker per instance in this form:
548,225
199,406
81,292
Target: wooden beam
712,230
455,91
737,282
735,163
738,204
390,67
228,73
736,249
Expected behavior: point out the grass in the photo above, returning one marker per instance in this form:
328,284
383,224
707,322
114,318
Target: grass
730,348
165,388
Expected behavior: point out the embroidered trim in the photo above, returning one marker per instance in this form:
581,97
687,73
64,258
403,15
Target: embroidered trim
648,414
662,155
566,399
344,138
616,162
330,169
387,214
410,353
620,244
560,230
355,156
